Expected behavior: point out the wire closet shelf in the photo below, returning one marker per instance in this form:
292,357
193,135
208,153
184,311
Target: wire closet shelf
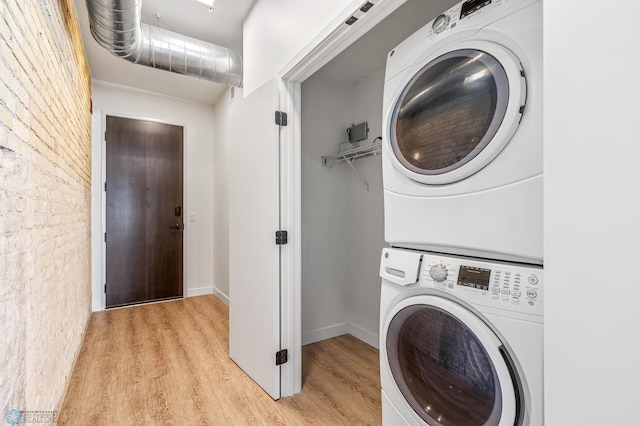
353,154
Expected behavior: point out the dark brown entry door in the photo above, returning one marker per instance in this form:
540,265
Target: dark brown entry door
144,211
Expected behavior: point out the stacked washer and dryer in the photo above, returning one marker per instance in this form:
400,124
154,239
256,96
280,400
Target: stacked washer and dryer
461,327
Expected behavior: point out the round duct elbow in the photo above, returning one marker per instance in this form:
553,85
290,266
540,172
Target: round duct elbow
116,25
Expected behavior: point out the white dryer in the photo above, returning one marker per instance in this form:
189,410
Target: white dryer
461,341
462,156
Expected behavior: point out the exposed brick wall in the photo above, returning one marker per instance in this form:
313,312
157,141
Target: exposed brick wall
452,131
445,116
437,137
45,162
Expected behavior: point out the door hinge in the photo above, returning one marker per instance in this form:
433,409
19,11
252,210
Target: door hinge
365,8
105,186
352,20
281,118
282,237
282,356
105,287
105,237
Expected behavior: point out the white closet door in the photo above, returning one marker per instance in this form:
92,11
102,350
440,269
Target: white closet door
254,258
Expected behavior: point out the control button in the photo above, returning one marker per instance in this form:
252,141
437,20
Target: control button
495,289
531,302
532,293
438,272
515,300
505,298
516,293
533,280
440,23
495,296
505,291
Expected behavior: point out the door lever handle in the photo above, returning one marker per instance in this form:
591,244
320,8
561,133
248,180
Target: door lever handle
176,226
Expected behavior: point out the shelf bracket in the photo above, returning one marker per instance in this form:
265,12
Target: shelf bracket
350,163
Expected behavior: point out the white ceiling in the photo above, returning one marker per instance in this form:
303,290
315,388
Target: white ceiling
223,26
369,53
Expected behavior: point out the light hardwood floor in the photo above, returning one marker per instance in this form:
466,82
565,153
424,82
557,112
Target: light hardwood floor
168,363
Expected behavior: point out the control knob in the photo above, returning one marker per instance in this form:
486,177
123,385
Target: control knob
440,23
438,273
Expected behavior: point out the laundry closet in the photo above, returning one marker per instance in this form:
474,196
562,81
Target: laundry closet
342,199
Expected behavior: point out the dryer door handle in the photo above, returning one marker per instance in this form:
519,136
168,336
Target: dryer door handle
401,267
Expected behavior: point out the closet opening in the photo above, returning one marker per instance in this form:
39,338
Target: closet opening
342,215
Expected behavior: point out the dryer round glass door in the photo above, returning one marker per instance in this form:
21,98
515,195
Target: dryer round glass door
449,366
457,112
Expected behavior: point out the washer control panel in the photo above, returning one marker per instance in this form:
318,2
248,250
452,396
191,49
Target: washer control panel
511,286
441,23
438,272
469,13
472,6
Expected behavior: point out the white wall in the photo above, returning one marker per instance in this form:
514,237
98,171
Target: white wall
592,212
275,31
342,222
367,216
325,212
221,141
197,120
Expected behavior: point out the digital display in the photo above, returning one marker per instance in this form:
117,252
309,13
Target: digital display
474,277
468,7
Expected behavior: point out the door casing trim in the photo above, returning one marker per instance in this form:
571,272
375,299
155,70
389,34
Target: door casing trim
329,43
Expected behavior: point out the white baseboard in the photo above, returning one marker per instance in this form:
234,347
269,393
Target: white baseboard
336,330
366,336
220,295
199,291
317,335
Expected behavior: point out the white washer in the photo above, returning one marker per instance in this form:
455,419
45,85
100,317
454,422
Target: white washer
462,155
461,341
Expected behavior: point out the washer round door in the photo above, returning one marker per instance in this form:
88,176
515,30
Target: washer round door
457,112
449,366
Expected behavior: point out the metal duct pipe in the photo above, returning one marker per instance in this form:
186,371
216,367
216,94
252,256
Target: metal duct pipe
116,25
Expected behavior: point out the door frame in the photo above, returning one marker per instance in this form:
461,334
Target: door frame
329,43
103,198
